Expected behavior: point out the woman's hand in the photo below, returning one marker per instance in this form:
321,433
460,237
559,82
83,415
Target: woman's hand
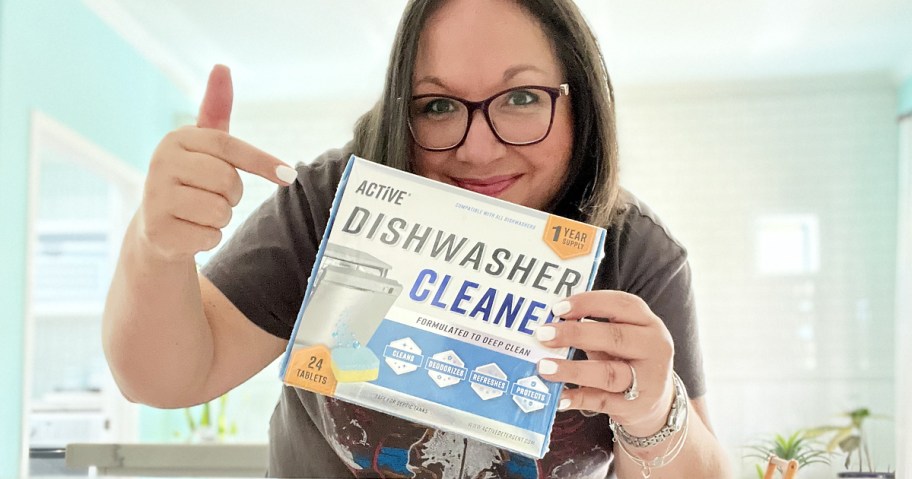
193,182
631,336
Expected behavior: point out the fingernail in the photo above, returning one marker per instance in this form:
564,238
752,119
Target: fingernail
560,308
563,404
286,173
547,367
545,333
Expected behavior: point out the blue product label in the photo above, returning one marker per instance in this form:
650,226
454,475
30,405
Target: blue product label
463,376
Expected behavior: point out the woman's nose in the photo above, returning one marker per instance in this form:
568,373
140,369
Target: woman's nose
481,144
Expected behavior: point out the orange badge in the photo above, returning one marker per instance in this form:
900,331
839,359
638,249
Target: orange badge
568,238
311,369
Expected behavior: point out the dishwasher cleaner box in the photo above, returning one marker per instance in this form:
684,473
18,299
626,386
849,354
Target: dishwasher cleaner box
423,301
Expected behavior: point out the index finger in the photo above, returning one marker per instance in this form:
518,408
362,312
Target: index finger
618,340
238,154
615,306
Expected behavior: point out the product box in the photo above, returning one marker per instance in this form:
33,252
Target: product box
423,301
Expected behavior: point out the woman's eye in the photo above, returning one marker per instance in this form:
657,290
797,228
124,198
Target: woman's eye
521,97
439,106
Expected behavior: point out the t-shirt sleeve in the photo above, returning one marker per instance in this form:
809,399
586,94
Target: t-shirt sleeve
653,265
264,267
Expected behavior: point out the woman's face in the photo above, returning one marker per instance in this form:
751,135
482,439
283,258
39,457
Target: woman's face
473,49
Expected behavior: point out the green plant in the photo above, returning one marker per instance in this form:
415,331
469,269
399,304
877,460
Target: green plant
849,438
203,429
797,446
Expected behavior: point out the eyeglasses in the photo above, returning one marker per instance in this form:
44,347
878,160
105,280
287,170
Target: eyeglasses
519,116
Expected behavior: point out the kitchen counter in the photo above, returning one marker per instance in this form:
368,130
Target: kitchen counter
171,459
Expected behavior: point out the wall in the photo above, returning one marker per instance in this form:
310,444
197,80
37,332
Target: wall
10,298
783,351
905,97
58,57
904,285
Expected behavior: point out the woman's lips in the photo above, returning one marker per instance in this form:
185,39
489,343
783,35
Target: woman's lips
492,186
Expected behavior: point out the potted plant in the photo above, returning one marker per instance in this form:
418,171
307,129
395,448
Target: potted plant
796,446
851,440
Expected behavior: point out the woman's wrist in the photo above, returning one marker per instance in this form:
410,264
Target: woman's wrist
655,456
653,424
651,433
661,448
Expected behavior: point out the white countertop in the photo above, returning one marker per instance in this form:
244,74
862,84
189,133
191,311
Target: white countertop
171,459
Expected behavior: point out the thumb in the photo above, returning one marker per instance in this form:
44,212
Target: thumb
215,112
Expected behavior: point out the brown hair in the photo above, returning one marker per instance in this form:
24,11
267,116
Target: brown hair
590,191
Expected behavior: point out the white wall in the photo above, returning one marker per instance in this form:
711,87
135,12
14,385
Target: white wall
782,351
904,303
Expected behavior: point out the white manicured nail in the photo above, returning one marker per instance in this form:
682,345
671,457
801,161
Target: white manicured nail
545,333
563,404
286,173
547,367
560,308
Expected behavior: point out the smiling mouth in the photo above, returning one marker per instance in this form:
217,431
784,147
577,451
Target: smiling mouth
487,186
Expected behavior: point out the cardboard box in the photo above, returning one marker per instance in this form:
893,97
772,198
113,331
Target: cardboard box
423,301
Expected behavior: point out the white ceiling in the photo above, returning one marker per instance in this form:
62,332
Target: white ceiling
283,51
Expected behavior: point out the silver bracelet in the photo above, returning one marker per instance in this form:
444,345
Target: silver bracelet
646,467
677,418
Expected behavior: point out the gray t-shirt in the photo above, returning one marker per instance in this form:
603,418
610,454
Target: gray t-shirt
263,269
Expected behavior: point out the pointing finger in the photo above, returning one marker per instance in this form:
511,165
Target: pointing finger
215,114
238,153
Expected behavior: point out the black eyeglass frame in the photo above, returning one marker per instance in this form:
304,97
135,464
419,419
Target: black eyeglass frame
562,90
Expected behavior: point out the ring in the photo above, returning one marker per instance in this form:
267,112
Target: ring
632,392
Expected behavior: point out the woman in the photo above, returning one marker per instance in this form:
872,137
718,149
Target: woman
211,332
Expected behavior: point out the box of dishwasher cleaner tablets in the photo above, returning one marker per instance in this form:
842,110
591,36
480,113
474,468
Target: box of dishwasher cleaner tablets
423,301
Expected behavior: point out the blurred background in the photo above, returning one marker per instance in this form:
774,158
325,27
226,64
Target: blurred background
772,136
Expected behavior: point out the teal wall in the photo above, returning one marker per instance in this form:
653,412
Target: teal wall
58,57
905,97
